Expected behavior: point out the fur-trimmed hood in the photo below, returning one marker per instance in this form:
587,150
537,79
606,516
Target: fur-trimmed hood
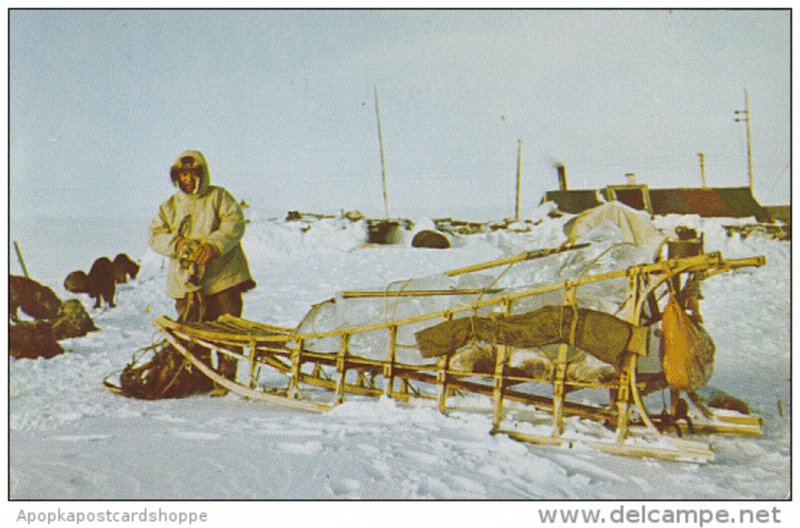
210,215
192,159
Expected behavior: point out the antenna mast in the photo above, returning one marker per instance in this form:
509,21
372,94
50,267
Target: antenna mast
746,119
383,158
519,184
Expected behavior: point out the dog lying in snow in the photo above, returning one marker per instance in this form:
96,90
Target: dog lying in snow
36,300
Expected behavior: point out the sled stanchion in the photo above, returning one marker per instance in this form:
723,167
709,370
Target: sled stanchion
499,386
341,368
441,380
441,374
253,372
570,305
498,393
388,369
558,390
294,377
629,362
640,291
637,400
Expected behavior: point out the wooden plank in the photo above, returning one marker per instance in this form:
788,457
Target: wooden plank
521,257
723,428
414,293
667,450
205,332
253,325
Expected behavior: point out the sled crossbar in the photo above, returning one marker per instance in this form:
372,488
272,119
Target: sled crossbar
318,380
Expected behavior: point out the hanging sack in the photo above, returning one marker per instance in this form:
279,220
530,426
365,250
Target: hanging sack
687,351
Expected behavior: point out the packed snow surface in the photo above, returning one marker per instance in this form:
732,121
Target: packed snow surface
71,439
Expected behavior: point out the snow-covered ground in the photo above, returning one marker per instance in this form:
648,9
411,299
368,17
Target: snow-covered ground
71,439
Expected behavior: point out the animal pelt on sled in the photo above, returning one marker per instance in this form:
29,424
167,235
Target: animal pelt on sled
167,374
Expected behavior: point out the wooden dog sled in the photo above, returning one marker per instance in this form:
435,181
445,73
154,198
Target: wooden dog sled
493,345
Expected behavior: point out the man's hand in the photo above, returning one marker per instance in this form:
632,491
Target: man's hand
203,254
180,245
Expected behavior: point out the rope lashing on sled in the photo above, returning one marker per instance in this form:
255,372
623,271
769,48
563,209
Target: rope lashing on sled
134,360
194,300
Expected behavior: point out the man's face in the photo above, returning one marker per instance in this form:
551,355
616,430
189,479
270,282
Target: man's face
187,180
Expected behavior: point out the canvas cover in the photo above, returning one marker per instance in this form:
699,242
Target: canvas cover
604,336
601,306
635,226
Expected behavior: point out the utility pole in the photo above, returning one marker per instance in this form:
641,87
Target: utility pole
702,157
746,119
383,158
519,178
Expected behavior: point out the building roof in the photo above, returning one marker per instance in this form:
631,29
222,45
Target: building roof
729,202
573,202
736,202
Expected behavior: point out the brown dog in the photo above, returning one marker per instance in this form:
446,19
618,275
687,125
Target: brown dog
100,283
124,268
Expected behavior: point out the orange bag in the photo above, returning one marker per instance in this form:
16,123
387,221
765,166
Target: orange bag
687,351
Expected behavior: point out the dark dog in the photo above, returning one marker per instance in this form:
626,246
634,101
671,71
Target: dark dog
100,283
124,268
35,300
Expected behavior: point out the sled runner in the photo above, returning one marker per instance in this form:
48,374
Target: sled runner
527,342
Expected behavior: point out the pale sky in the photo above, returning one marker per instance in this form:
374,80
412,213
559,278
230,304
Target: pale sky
282,104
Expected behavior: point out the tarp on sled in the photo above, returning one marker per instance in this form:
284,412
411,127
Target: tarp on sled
604,336
636,227
609,246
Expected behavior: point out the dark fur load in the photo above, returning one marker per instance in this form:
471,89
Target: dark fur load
35,300
166,375
32,340
100,283
124,268
722,400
